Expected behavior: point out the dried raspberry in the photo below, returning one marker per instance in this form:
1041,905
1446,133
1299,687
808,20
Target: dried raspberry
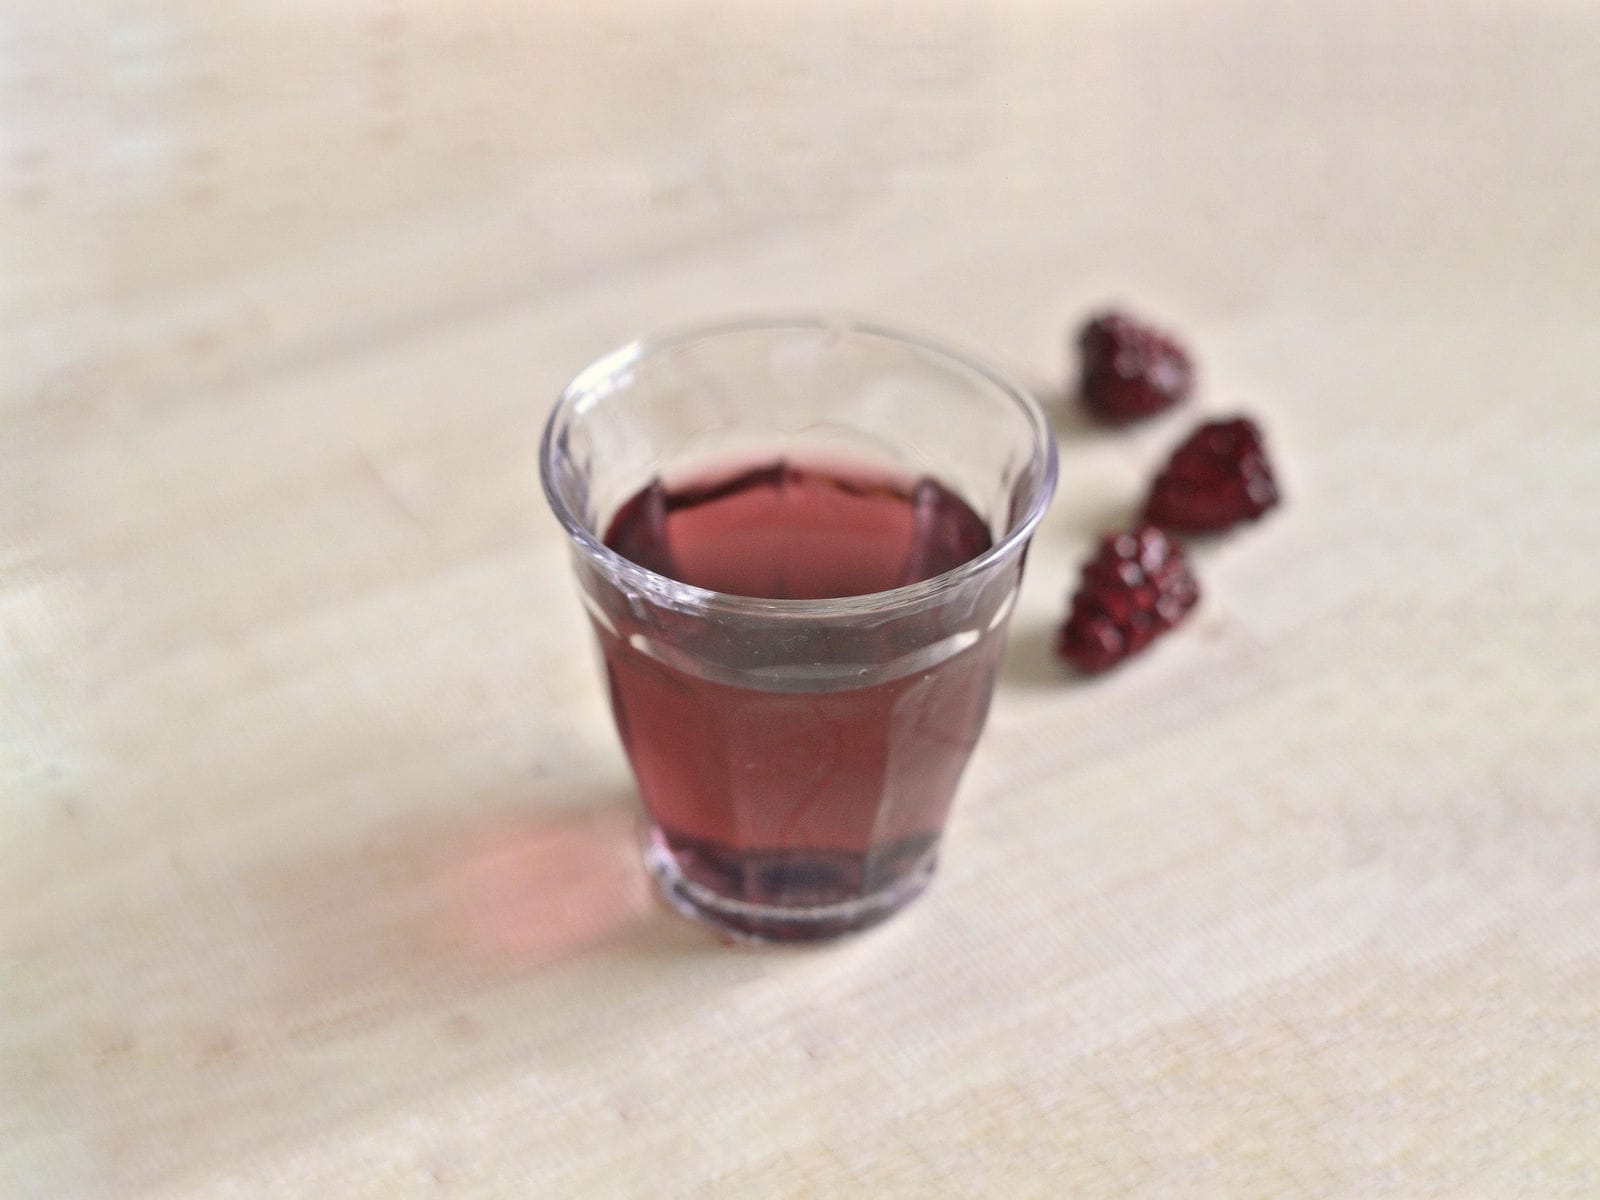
1138,585
1217,477
1130,370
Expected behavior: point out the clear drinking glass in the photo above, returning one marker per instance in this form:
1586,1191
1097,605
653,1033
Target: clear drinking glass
797,757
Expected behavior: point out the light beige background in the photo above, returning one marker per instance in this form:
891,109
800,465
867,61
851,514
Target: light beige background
315,864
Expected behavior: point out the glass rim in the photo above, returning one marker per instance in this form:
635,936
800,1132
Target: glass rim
684,595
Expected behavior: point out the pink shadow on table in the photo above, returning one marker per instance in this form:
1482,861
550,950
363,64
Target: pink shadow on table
529,893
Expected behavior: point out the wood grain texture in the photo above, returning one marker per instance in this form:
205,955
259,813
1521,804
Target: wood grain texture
316,863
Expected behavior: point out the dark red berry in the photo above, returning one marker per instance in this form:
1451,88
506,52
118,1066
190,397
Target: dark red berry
1136,587
1129,369
1217,477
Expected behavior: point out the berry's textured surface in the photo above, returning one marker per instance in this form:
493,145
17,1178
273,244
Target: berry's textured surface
1216,478
1136,587
1130,370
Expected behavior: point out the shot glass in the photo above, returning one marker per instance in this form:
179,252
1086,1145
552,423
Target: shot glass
797,750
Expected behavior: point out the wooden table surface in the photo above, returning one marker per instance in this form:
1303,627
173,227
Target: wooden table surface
317,872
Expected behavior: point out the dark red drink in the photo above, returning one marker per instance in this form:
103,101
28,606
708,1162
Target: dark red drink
813,792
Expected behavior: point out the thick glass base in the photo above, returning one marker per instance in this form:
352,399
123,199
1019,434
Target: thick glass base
818,899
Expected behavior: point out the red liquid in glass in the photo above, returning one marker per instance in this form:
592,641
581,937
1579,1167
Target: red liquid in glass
799,798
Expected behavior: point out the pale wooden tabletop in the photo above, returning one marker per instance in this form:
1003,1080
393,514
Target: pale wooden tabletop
317,873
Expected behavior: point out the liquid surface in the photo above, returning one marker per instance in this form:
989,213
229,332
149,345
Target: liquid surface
782,531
